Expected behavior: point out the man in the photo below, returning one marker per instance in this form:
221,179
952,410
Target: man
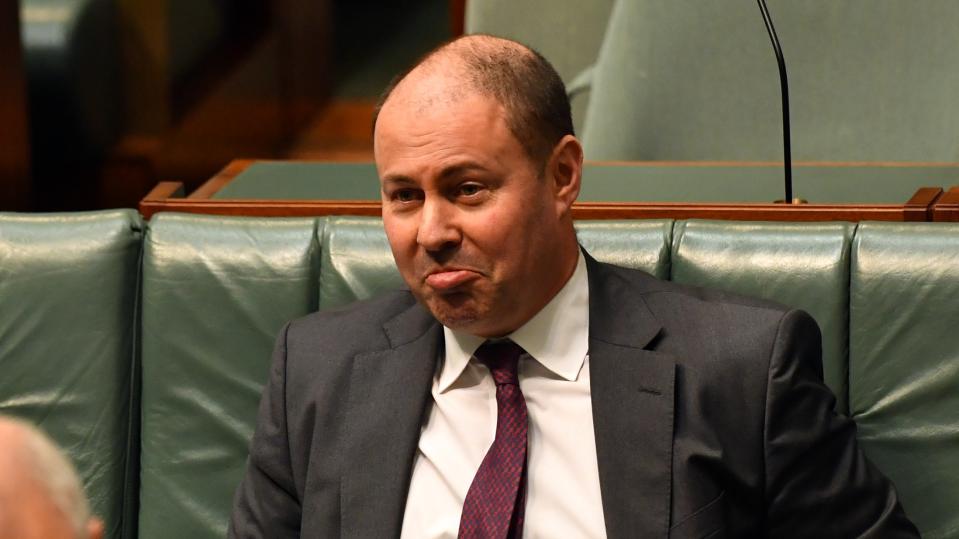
40,493
618,405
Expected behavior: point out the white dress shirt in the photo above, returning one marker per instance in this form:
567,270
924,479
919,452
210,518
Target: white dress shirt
563,496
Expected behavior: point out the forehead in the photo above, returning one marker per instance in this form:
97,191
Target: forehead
434,122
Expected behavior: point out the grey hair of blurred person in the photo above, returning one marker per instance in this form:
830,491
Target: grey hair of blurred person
39,459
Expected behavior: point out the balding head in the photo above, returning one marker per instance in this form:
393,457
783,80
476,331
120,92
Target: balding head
517,77
40,493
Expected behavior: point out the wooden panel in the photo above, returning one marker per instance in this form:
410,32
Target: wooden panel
145,55
946,207
251,104
918,208
14,134
160,199
457,17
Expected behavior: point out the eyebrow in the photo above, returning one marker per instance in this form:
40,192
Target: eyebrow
446,173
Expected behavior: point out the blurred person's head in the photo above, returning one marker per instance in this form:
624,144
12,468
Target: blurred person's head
40,493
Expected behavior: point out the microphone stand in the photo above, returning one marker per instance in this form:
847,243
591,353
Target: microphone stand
784,92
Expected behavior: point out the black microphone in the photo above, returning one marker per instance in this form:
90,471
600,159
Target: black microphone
784,91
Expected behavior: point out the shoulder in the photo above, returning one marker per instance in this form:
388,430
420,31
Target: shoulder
661,293
704,323
349,329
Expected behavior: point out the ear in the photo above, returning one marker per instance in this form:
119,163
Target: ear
95,528
565,171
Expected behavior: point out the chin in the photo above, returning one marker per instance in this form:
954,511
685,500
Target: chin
458,319
455,312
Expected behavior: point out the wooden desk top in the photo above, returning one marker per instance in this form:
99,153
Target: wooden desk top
612,190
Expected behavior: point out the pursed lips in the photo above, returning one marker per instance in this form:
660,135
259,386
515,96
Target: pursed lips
445,279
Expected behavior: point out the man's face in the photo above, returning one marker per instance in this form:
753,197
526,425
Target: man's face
476,230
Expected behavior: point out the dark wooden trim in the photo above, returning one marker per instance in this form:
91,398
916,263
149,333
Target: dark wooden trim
159,198
225,176
16,190
946,207
457,17
739,212
919,207
262,208
588,210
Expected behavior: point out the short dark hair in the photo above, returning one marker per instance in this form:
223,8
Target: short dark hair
519,78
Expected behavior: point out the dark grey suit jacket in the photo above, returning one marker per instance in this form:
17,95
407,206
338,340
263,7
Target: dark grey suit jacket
710,416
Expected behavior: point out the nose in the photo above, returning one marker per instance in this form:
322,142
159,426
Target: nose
438,230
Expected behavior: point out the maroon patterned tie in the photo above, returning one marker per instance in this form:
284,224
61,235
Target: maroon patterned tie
496,500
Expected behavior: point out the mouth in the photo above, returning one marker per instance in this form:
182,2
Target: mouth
447,279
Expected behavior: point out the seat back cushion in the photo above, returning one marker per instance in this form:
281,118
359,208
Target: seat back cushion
904,363
802,265
68,288
216,291
357,262
639,244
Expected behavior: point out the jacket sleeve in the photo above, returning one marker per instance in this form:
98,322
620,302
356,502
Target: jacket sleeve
266,503
818,482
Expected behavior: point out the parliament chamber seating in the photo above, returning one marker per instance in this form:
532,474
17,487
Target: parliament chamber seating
142,347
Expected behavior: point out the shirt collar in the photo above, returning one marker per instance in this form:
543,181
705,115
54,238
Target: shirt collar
557,336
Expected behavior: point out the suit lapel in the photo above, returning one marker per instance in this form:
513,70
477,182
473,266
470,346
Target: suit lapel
632,396
389,391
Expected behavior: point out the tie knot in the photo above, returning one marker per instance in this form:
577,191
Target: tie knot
502,358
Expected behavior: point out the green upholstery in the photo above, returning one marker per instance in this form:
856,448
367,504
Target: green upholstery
870,80
357,262
568,32
216,291
804,265
68,289
641,244
904,363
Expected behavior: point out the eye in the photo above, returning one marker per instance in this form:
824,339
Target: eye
405,195
470,189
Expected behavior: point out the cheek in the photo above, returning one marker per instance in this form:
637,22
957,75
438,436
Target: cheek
506,234
402,239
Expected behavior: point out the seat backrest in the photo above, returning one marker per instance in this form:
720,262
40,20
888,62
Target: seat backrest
904,363
358,264
869,80
68,290
639,244
216,292
803,265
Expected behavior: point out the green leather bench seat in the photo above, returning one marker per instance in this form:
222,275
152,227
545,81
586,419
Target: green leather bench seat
800,265
640,244
357,262
904,364
68,293
216,291
76,355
